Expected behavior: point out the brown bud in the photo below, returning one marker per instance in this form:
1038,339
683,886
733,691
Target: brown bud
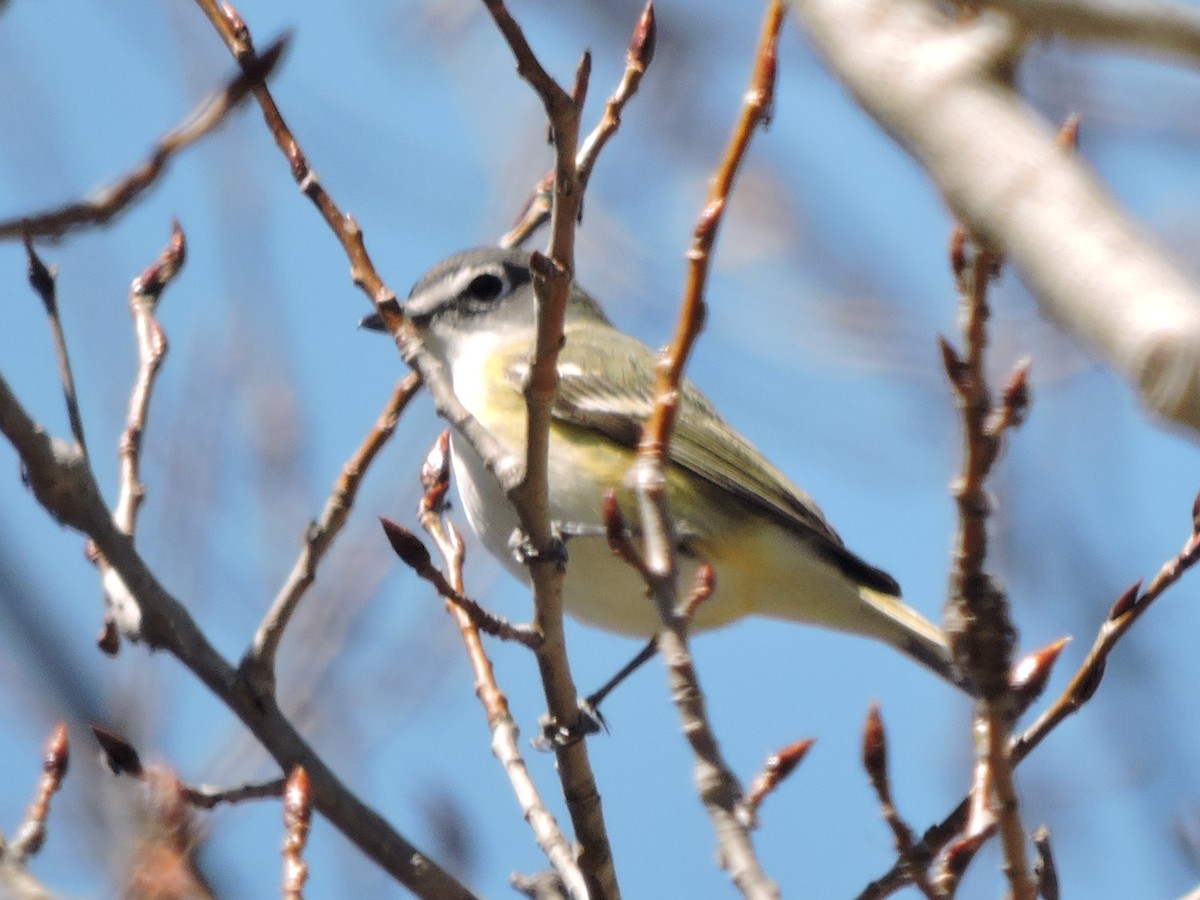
1016,394
1068,134
1126,601
1028,677
118,752
58,753
645,39
777,768
160,272
1091,683
952,362
875,748
41,277
435,473
406,545
958,251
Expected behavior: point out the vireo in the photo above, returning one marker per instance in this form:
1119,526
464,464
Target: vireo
773,552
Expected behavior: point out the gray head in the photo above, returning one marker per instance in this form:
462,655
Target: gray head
486,289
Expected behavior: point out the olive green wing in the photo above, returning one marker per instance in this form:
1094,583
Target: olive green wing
617,404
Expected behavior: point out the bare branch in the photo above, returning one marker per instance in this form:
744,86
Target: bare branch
118,196
1158,28
32,833
258,665
410,549
435,477
716,784
43,280
65,485
144,294
637,60
1091,270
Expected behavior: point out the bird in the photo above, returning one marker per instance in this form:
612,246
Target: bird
773,552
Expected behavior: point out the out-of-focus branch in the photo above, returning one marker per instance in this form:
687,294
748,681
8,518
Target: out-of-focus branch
15,878
1158,28
716,784
32,833
942,89
64,484
116,197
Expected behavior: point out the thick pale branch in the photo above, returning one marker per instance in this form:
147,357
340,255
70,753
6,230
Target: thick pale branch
940,88
1159,28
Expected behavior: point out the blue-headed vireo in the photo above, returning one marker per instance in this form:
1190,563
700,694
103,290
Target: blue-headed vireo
773,552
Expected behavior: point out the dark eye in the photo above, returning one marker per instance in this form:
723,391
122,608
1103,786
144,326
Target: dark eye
486,286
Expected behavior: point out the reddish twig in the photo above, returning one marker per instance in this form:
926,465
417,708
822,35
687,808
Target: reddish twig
774,772
716,784
31,834
528,487
756,111
979,627
297,820
414,554
1128,608
914,863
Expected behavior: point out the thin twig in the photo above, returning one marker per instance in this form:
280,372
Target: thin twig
637,60
31,834
435,477
121,613
979,626
875,762
118,196
528,489
144,294
1129,607
65,485
414,554
258,664
716,784
43,279
297,820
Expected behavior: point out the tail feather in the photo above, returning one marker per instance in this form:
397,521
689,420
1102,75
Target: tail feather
916,636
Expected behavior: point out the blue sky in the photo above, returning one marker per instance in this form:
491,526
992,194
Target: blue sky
828,290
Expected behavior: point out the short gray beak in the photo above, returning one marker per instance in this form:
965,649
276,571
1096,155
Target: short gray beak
373,322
